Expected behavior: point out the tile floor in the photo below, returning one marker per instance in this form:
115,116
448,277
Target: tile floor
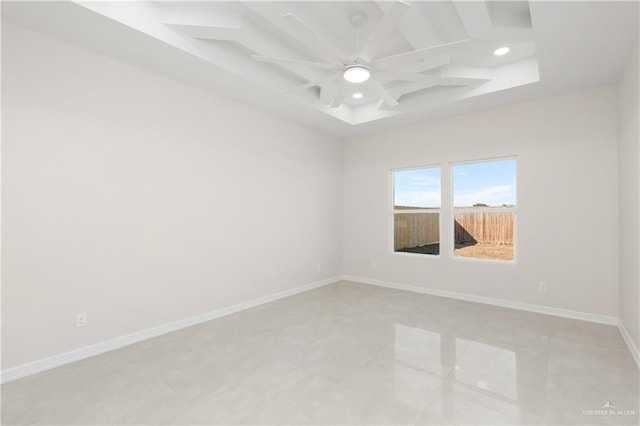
348,354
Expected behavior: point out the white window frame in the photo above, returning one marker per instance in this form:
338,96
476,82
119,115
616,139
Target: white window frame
393,211
453,211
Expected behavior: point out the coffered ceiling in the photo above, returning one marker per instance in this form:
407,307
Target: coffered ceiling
426,59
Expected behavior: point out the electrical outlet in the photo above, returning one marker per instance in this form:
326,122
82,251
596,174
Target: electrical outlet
373,265
81,319
318,267
542,286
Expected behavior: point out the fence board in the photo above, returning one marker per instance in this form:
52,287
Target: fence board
484,227
416,229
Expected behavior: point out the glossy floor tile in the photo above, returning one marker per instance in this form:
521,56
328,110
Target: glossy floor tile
348,354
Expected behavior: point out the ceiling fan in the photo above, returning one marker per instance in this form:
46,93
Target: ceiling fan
363,66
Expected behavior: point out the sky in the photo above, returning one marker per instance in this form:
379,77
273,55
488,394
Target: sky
417,187
489,182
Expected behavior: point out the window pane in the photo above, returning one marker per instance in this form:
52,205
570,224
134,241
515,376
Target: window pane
417,188
417,233
488,183
484,235
478,190
417,210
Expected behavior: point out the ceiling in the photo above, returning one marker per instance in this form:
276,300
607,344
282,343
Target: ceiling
428,59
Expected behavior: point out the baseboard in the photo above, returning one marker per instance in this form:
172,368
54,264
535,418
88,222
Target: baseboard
632,347
129,339
584,316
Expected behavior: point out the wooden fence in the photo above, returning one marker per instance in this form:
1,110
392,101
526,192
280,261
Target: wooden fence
415,229
419,229
484,227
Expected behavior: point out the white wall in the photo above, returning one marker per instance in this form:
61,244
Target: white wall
143,201
138,200
629,198
567,200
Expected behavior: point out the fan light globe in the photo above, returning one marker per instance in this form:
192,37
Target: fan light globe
356,74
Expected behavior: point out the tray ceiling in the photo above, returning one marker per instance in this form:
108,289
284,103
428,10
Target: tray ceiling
419,53
427,59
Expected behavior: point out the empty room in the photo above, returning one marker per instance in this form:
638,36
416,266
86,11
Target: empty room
312,212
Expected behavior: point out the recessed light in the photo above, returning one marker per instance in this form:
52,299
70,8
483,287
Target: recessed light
501,51
356,74
357,96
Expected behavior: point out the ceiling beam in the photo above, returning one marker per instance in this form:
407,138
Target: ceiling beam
383,93
423,54
202,18
475,17
390,21
208,32
413,68
404,89
232,26
407,76
416,28
461,81
473,73
450,76
300,32
340,93
328,92
511,34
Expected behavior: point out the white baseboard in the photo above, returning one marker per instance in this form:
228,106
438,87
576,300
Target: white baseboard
584,316
629,341
129,339
119,342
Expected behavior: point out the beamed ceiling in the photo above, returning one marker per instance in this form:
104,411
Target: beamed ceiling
425,57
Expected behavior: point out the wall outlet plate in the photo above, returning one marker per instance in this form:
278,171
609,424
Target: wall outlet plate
81,319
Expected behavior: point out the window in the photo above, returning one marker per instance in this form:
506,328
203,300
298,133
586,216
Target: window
416,210
484,209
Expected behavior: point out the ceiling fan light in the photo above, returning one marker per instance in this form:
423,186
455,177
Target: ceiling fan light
356,74
357,95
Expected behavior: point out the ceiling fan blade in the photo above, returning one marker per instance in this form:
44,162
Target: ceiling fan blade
421,54
290,61
309,35
383,93
389,22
